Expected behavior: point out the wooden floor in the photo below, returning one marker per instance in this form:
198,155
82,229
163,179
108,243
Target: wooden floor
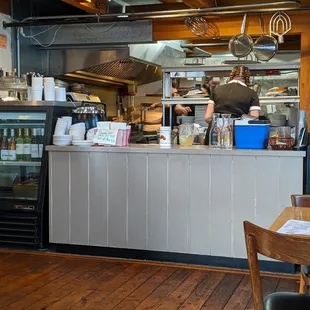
49,281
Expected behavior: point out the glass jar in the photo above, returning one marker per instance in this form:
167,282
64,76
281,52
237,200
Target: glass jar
215,132
226,132
186,134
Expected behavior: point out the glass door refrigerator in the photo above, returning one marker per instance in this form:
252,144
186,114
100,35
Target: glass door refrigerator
25,129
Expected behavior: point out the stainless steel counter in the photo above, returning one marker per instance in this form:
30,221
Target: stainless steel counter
182,200
195,149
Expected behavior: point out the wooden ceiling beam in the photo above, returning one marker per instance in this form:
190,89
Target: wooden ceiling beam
199,3
5,7
89,7
156,7
226,27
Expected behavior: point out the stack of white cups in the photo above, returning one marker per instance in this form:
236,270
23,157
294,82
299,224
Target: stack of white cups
165,136
60,94
68,119
49,89
61,127
37,88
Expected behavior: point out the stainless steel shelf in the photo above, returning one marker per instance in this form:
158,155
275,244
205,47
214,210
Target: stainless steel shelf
208,68
203,101
279,100
180,100
20,163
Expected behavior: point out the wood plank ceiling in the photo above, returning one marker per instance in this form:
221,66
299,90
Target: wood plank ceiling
102,6
95,6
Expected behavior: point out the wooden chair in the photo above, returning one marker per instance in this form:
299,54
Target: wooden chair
288,248
302,201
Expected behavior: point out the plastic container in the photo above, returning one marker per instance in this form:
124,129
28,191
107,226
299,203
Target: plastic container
251,136
165,136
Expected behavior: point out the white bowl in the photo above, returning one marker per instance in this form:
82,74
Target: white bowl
68,137
62,143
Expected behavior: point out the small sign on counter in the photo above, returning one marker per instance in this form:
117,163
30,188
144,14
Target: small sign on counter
106,136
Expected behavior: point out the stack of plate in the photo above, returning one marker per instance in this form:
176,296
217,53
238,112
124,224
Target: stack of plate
83,143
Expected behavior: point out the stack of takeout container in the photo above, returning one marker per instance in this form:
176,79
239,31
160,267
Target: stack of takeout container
77,131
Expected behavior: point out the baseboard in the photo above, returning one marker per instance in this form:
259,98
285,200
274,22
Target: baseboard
157,256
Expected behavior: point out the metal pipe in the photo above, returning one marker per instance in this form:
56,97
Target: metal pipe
225,10
18,51
192,46
187,11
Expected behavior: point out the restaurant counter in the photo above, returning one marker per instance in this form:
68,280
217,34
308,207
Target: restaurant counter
184,204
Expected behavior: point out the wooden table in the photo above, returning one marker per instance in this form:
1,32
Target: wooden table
290,213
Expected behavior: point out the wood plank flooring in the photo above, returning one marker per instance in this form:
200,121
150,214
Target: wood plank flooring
42,281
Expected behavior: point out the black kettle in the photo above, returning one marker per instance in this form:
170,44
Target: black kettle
88,114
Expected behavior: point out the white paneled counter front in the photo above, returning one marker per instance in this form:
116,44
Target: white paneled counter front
183,200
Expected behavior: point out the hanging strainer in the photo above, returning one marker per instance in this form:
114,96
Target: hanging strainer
197,25
241,45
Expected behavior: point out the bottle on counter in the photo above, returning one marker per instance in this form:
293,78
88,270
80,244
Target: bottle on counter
4,145
27,145
34,145
12,146
41,142
20,145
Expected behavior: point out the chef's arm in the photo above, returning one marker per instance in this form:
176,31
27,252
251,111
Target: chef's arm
157,104
181,109
209,113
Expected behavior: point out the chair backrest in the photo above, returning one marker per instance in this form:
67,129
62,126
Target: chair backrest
293,249
302,201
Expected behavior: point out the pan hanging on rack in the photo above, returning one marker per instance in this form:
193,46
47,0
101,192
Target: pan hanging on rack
241,45
265,47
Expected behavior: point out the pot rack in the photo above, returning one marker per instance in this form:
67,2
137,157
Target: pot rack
290,5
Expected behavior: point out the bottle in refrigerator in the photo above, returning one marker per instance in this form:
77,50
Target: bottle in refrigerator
4,145
27,145
20,145
12,146
41,142
34,145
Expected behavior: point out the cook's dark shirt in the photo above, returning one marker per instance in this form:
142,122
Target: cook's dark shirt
234,98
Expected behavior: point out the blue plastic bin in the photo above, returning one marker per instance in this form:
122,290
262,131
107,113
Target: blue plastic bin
249,136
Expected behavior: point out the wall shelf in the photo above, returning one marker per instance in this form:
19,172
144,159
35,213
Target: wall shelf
20,163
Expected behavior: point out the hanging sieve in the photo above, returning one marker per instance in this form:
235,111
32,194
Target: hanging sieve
241,45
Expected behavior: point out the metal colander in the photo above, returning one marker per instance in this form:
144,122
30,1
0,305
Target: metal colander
197,25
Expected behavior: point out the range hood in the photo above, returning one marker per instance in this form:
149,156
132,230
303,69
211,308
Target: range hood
135,64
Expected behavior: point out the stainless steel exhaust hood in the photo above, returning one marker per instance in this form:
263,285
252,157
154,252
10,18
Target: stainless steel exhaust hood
135,64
